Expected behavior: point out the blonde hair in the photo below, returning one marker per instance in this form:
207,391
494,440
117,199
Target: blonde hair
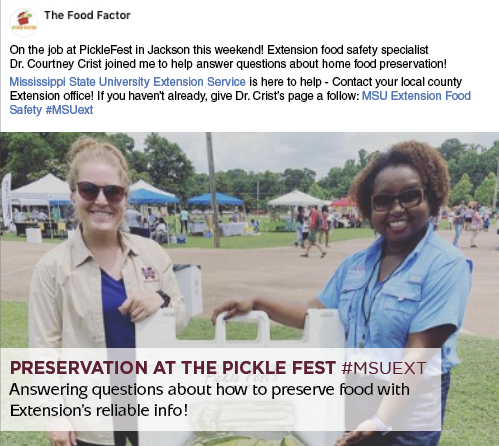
86,149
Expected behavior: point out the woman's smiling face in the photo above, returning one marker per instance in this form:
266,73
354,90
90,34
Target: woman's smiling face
99,216
399,225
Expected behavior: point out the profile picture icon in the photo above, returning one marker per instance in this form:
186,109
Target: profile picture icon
23,22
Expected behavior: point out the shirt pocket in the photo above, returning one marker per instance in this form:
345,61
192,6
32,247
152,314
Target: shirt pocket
401,297
390,327
351,289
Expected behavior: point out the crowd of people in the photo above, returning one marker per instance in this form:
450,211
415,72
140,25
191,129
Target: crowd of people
471,218
311,226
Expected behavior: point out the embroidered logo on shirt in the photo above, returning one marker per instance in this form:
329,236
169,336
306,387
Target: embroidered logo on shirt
415,279
148,273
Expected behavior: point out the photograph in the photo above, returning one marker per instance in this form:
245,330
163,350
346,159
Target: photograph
126,241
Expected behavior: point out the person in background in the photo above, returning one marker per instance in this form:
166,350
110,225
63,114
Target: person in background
235,216
19,216
306,231
314,223
468,216
397,192
450,218
434,220
161,231
152,220
184,221
35,214
300,219
133,218
324,226
90,291
486,220
459,223
56,214
476,221
255,225
42,216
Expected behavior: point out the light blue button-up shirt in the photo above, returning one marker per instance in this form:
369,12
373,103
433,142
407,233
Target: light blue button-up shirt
427,290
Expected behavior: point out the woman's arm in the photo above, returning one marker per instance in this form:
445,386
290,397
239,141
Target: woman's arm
417,350
279,310
45,333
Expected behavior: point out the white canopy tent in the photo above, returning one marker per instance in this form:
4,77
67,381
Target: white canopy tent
48,189
141,184
297,198
144,185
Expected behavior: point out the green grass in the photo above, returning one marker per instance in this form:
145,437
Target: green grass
264,240
472,408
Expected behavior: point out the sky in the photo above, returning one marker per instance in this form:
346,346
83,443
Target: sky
276,152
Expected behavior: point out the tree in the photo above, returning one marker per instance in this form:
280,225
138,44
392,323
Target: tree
168,166
61,143
126,145
451,149
60,170
271,186
27,153
317,191
300,179
198,184
462,190
485,192
364,158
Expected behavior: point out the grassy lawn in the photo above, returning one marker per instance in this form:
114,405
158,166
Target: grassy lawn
471,411
264,240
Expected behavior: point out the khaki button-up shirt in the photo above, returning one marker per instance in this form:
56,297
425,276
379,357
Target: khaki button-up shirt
65,305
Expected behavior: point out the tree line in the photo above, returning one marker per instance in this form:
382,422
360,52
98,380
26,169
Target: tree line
164,164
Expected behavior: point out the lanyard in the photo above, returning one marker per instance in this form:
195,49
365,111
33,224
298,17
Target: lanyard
367,316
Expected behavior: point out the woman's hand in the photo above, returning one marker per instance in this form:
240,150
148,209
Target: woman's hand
233,307
60,438
364,431
140,306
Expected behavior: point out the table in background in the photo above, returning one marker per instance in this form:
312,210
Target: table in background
48,229
195,227
230,229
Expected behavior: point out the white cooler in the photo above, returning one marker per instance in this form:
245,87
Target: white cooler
323,329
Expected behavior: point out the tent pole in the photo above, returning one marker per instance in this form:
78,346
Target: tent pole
213,188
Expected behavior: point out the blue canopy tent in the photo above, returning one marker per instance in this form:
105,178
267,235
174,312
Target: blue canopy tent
221,199
145,196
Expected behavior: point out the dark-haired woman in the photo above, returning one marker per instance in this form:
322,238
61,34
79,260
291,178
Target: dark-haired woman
407,290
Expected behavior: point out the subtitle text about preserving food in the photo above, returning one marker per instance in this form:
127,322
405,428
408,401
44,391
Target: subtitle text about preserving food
166,389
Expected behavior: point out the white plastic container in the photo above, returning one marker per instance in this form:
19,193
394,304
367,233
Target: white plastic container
34,235
189,282
322,329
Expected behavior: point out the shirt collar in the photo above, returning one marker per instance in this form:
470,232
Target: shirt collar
81,253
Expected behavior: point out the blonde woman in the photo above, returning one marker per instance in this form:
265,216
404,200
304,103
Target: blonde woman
91,290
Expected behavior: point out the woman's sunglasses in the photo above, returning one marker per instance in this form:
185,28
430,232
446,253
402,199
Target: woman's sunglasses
407,199
90,192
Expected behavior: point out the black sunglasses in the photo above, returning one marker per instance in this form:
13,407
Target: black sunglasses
90,191
407,199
